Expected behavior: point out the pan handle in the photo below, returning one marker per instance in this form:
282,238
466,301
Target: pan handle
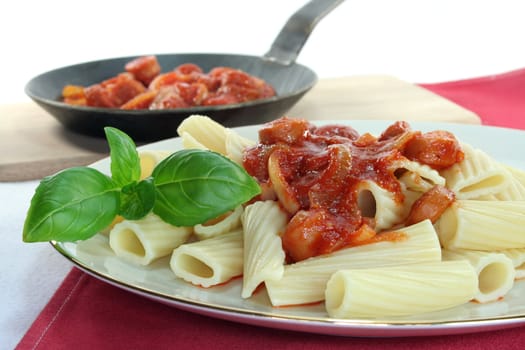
297,29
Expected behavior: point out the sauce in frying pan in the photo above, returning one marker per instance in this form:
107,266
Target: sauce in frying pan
143,86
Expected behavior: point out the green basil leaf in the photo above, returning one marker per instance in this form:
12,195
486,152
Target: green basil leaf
137,199
71,205
194,186
125,161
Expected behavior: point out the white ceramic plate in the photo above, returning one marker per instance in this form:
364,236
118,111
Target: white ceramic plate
157,282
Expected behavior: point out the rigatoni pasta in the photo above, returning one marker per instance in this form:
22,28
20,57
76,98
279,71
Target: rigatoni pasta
516,189
226,223
478,175
400,290
304,282
517,174
189,142
263,223
211,261
517,256
201,132
205,131
377,203
495,272
145,240
483,225
235,144
422,177
149,159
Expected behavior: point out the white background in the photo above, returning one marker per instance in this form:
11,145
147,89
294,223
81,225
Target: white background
417,41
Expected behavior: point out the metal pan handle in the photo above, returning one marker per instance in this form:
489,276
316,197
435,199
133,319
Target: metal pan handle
297,29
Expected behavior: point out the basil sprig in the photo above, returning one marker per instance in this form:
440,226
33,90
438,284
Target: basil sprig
187,188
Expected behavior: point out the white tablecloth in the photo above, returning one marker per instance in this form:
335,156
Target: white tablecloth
29,273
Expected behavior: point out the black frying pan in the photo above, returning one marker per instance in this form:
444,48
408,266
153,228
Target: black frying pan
277,67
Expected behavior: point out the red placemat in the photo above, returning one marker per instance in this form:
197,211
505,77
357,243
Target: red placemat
499,100
86,313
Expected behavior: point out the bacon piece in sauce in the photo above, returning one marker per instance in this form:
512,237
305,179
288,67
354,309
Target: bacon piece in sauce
168,97
284,130
336,130
141,101
437,149
318,231
394,130
144,69
430,205
74,95
188,69
164,79
279,178
113,92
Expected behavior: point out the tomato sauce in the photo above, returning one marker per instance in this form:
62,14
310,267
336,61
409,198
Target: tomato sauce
316,171
143,86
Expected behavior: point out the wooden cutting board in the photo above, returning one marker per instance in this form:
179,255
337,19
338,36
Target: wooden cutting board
35,145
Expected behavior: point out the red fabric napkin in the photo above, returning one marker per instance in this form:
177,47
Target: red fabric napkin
86,313
498,100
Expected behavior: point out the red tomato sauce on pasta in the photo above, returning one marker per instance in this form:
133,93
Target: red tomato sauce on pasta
315,173
143,86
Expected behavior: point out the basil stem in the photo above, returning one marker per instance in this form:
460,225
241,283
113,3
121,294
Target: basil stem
137,199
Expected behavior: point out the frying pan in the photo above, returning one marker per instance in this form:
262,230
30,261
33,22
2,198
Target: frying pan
277,67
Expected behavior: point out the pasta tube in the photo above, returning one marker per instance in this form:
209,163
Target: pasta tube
495,272
419,177
145,240
150,159
517,174
516,188
211,261
514,192
263,223
400,290
205,131
517,256
476,176
305,281
189,142
380,204
414,183
115,221
225,225
235,145
482,225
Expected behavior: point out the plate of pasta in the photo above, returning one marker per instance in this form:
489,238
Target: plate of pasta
434,243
